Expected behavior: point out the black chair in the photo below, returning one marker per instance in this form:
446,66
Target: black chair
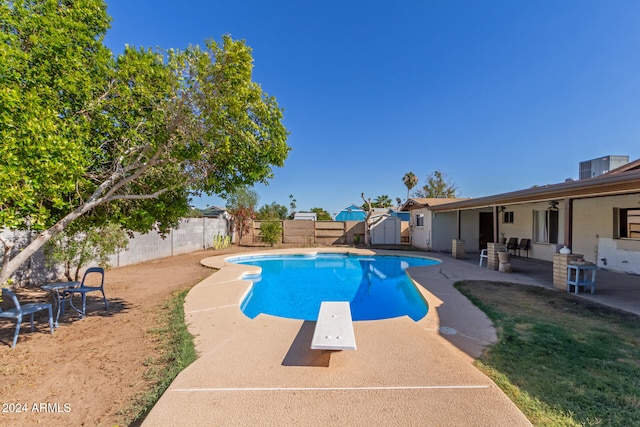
512,245
524,245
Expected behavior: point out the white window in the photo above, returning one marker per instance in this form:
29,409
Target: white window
507,217
419,220
545,226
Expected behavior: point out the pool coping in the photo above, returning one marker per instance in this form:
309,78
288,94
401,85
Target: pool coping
246,271
262,371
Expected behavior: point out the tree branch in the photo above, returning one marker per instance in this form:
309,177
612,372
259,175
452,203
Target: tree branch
135,196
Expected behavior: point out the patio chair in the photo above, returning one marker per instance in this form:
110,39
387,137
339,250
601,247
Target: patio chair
483,255
524,245
20,310
83,290
512,245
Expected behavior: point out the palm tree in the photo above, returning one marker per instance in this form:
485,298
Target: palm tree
410,181
382,201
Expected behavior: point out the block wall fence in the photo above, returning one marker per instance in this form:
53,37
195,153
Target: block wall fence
193,234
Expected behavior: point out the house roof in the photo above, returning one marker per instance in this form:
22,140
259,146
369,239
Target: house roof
351,208
213,211
620,182
422,202
306,215
624,168
350,213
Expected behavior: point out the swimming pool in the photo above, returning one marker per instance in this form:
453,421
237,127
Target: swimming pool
293,286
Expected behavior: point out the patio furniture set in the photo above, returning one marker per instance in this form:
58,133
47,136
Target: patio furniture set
579,273
512,245
61,293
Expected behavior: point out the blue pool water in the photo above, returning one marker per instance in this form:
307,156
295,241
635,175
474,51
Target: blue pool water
377,287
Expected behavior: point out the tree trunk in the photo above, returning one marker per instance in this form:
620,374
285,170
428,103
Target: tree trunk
367,237
11,265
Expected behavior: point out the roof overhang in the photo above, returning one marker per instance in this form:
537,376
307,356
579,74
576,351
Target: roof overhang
418,202
603,185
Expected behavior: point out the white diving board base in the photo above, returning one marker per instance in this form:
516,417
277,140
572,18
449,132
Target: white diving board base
334,328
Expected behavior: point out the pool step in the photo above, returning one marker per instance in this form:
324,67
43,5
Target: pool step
334,328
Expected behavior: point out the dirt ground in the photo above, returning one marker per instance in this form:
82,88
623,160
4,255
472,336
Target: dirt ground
89,371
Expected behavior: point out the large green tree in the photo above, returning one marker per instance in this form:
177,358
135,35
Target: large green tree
438,185
272,211
321,214
86,136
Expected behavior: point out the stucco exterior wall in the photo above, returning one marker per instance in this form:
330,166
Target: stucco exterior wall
439,230
444,226
593,233
470,230
420,237
523,228
619,255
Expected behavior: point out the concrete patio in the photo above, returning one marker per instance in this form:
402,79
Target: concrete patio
619,290
262,371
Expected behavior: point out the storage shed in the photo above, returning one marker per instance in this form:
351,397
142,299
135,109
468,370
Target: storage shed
386,230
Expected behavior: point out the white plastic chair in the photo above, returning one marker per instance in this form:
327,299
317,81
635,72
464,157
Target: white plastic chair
483,255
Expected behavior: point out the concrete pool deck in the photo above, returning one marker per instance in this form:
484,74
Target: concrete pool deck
262,371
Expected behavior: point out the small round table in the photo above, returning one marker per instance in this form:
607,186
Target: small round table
57,291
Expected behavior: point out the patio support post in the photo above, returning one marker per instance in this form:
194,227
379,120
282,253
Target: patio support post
457,249
459,218
496,231
568,222
493,262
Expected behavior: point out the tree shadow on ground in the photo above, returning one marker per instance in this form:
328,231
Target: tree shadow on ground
95,308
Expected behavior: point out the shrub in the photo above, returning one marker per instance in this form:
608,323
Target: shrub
221,242
271,232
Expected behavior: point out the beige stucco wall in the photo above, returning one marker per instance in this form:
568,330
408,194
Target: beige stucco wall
592,219
420,235
444,229
522,228
470,229
593,228
441,228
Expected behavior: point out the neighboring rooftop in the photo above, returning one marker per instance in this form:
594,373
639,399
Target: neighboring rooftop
213,212
308,216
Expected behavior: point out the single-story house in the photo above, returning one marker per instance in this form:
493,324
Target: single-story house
597,217
214,212
423,230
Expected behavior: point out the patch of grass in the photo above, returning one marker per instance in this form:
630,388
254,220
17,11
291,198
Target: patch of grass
562,360
176,352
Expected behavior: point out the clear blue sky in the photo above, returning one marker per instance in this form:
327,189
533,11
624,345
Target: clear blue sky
498,95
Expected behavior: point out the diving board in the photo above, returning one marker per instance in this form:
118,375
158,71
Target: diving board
334,328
